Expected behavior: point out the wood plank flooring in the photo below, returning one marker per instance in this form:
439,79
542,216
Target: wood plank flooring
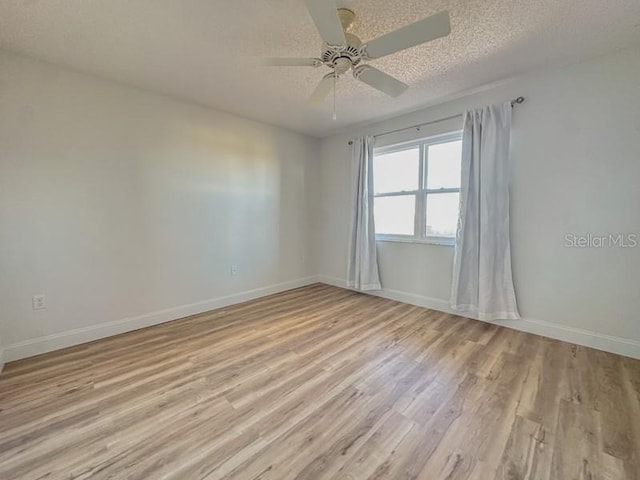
322,383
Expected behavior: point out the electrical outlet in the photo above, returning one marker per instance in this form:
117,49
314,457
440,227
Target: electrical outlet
39,302
234,270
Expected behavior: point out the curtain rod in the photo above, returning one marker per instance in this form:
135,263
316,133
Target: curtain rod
514,102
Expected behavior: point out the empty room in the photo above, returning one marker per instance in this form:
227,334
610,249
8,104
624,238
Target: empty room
320,239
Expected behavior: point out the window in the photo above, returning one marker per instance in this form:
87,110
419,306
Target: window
417,190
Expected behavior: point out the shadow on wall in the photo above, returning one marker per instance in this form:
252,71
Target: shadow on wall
220,204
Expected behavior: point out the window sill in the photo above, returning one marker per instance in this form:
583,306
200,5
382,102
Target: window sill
441,241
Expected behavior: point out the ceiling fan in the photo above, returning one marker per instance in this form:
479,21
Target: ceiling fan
342,51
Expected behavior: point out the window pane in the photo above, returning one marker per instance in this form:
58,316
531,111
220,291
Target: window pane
395,215
443,170
395,172
442,214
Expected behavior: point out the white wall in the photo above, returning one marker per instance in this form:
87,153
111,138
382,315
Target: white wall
127,208
576,169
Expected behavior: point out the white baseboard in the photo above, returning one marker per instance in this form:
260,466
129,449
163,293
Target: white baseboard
29,348
587,338
78,336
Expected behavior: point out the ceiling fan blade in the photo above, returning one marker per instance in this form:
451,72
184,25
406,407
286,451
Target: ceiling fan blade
380,80
292,62
414,34
323,89
325,15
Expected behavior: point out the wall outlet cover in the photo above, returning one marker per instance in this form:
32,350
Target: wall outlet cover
39,302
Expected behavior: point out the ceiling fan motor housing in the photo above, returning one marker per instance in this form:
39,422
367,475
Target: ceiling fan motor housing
337,57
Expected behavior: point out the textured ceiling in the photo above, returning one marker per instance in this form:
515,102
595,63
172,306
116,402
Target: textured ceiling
205,50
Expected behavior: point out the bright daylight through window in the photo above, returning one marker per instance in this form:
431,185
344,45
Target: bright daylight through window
417,190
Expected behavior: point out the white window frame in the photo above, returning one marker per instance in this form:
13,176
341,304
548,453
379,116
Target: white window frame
421,194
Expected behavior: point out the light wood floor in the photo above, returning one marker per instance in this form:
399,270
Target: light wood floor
322,383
